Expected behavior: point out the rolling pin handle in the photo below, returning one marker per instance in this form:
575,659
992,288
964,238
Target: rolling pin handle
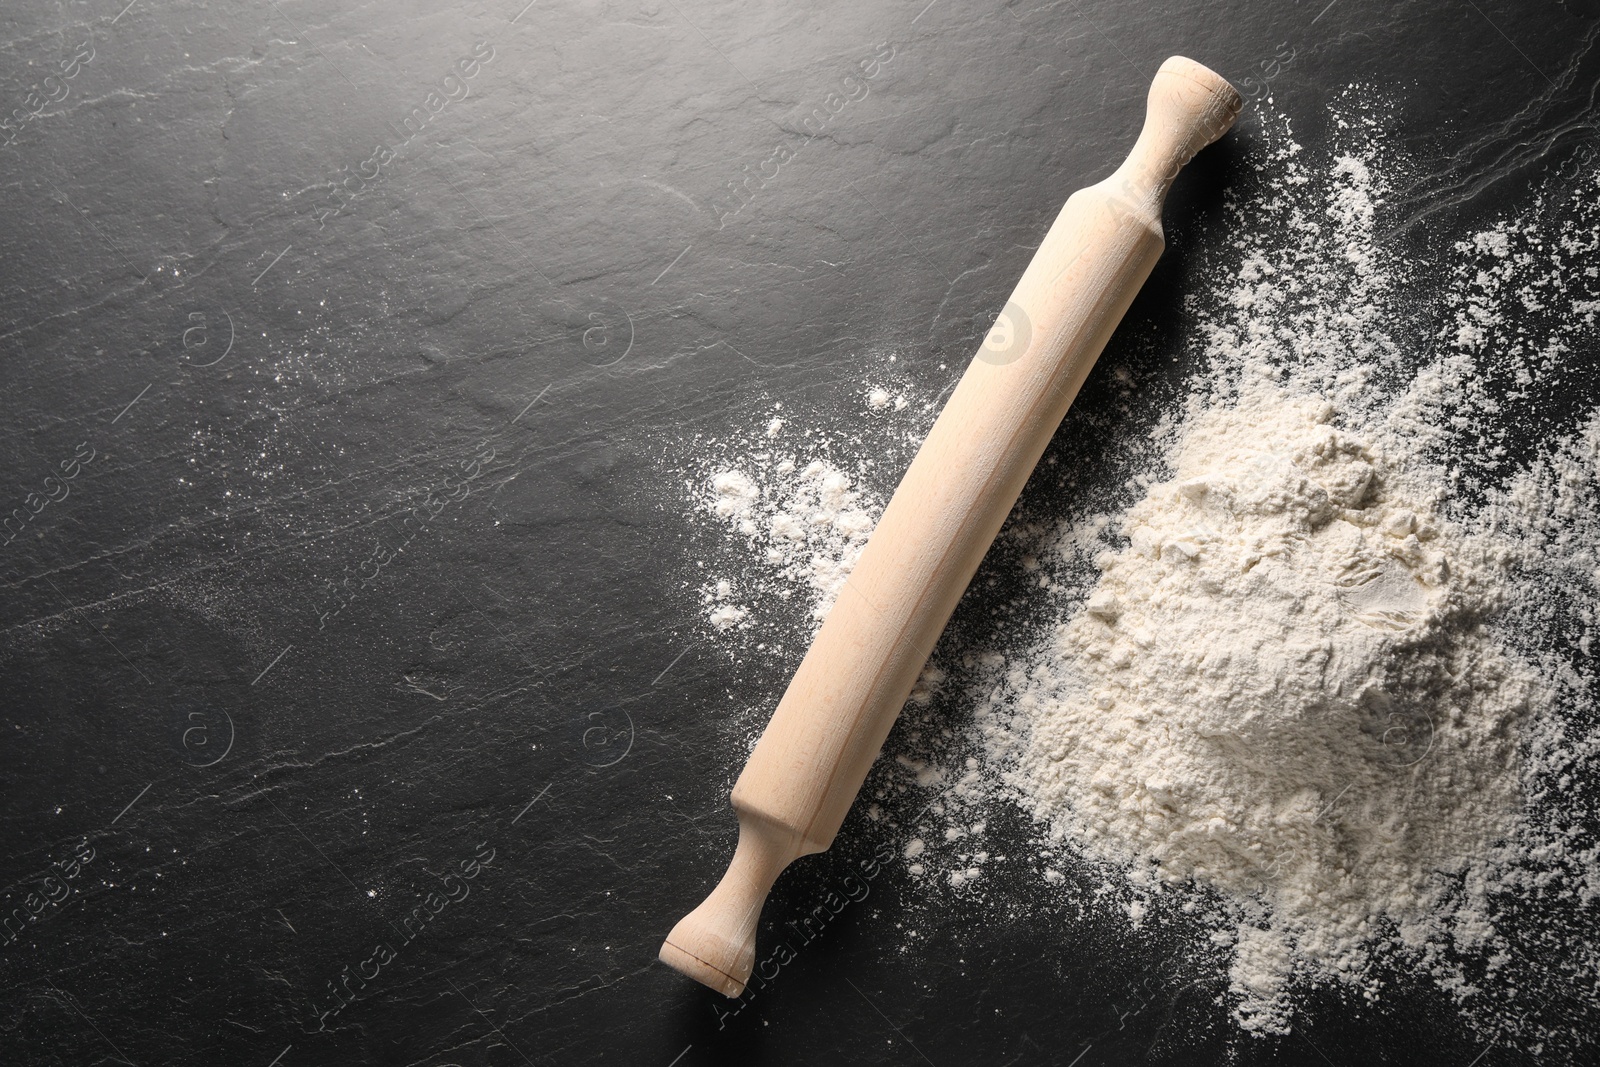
1188,107
715,944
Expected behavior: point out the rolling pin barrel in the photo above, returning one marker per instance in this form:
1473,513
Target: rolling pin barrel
826,732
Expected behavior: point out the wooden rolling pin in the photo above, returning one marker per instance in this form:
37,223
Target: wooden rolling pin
809,764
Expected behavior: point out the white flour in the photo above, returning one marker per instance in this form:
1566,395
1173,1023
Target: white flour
805,518
798,494
1321,680
1282,689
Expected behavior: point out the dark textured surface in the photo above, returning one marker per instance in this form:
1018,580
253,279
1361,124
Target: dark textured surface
473,358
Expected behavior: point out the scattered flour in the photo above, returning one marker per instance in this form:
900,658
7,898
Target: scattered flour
1315,684
799,496
880,399
809,523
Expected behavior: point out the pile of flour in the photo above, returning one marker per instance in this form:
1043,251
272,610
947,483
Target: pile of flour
1282,688
1313,684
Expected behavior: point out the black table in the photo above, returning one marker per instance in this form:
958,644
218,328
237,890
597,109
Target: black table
421,295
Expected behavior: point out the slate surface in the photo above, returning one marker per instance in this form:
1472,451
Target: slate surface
473,353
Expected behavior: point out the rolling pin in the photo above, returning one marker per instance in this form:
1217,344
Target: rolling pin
805,771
